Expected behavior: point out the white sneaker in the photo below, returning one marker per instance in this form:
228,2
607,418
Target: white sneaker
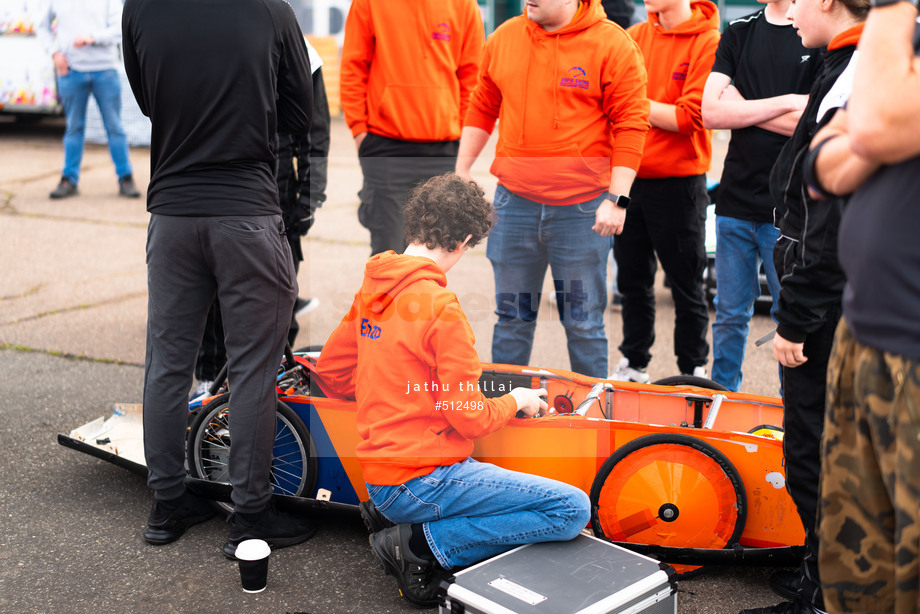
202,388
699,371
303,307
625,373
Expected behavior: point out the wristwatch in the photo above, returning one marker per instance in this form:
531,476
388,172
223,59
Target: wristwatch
618,199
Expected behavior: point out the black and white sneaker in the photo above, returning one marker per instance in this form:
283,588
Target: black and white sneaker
373,519
419,579
169,520
64,189
304,306
279,529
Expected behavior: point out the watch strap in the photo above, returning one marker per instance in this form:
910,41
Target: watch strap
618,199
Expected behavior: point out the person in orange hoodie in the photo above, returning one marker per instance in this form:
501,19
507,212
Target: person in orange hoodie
667,217
408,67
405,352
567,87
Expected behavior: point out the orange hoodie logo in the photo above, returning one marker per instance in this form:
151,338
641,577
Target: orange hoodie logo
577,78
681,73
441,33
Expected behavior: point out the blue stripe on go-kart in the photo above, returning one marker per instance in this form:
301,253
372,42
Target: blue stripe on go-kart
331,474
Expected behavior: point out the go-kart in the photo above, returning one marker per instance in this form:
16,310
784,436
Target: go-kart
677,470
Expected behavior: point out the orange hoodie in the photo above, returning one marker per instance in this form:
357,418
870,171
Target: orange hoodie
678,62
408,67
570,104
405,352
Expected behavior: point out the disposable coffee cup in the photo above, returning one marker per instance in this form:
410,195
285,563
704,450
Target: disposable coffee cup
252,555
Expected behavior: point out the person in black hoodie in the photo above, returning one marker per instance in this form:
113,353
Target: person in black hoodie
302,190
870,472
811,281
218,81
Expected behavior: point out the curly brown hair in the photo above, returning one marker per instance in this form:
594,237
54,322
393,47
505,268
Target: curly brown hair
446,209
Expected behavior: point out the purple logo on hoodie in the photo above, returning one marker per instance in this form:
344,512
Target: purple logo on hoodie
576,78
681,73
441,33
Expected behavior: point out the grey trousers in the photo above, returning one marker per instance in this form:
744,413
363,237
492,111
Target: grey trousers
246,262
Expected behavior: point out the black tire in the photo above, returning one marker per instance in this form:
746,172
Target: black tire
632,462
293,470
690,380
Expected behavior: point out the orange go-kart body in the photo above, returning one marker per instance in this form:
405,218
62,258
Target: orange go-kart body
681,472
687,474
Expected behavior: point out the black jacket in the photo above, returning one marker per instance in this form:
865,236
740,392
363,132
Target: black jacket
302,187
218,81
811,280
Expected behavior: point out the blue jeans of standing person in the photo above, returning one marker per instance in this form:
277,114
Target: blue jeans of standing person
528,237
741,247
471,511
75,88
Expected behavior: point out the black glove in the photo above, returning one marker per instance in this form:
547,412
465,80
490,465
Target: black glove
302,216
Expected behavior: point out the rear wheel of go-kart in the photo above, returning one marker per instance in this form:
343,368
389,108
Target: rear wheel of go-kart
690,380
293,469
669,490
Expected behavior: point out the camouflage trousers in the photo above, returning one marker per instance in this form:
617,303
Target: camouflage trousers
869,515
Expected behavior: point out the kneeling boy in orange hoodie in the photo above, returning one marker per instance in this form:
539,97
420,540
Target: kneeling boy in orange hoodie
417,437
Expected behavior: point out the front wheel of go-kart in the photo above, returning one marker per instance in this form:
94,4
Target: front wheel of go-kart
690,380
293,468
669,490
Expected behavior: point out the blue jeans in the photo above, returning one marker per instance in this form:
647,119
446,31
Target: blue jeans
741,246
528,237
471,511
74,89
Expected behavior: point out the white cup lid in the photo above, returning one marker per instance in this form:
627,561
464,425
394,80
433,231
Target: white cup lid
252,550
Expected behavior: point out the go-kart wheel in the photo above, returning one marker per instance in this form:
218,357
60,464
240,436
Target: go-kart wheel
669,490
690,380
293,469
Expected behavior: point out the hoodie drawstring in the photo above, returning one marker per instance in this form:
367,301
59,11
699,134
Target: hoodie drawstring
425,26
533,43
555,82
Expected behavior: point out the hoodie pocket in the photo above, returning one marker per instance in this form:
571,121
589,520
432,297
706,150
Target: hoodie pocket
552,173
420,112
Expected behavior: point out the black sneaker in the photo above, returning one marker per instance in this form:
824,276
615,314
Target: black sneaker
373,519
786,583
168,520
64,189
419,579
127,188
279,529
796,606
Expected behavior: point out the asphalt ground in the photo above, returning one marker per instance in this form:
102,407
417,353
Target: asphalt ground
72,318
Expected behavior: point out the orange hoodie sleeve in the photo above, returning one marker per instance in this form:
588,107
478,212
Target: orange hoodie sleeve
486,99
626,104
466,409
357,54
470,58
690,103
339,359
